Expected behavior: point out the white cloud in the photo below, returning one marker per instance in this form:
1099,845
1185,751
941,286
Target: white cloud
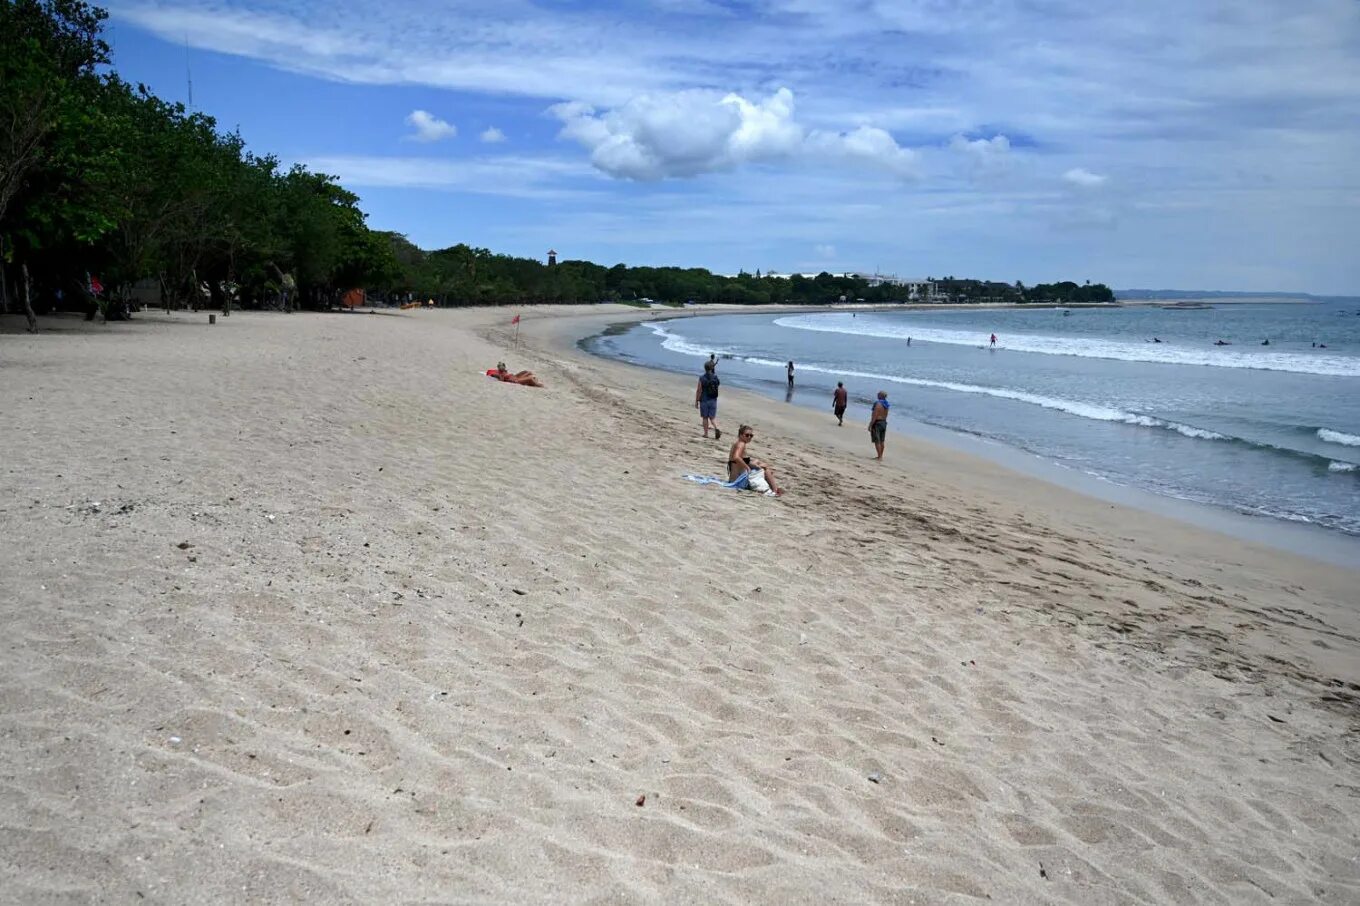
517,177
429,128
502,46
680,134
687,133
984,157
867,146
824,251
492,136
1078,176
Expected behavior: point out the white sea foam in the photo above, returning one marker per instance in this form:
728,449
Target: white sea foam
1086,347
678,343
1341,467
1338,437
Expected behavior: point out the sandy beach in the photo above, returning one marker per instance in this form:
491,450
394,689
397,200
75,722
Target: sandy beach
304,608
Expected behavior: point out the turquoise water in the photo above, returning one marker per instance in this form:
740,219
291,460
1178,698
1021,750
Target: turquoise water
1270,430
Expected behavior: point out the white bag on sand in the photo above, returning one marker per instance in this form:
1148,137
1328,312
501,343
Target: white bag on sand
755,480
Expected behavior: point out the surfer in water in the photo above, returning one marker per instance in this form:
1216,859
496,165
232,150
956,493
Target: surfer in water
993,341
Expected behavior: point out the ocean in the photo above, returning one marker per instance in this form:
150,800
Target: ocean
1138,396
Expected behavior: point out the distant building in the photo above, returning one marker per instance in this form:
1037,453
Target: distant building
552,257
921,291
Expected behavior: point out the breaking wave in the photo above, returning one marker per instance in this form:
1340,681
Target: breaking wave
1087,347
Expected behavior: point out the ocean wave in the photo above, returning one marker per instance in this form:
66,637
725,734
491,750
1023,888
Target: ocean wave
678,343
1094,411
1338,437
1337,466
1086,347
1077,408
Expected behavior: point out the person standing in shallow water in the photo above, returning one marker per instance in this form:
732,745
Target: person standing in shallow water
839,399
706,400
878,423
790,374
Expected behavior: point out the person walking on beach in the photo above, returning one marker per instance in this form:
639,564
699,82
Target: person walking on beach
839,399
790,374
706,400
878,423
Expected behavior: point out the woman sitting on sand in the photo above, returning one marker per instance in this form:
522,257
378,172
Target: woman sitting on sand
740,463
526,378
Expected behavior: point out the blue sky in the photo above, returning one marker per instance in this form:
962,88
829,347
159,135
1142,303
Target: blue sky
1193,144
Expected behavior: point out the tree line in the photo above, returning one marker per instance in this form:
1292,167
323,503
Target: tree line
105,187
463,275
111,196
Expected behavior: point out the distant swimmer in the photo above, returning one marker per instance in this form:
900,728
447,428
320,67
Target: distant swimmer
790,374
908,341
993,341
1156,339
1266,341
1222,343
839,400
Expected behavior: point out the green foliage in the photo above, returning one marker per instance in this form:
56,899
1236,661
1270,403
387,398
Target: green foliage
463,275
101,177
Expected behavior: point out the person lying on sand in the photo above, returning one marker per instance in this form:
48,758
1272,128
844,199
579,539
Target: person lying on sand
739,462
524,378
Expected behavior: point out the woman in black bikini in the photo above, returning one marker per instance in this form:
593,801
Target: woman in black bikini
738,462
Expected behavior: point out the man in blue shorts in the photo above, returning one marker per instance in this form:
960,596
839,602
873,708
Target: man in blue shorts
706,399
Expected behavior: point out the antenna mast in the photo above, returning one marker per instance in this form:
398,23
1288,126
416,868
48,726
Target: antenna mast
188,73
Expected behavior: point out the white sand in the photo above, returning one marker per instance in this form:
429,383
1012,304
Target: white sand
433,636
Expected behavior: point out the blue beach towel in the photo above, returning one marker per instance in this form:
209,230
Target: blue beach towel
741,483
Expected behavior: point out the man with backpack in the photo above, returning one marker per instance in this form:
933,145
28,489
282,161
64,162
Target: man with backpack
706,399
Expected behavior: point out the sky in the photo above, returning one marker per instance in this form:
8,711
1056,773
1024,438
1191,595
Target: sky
1162,143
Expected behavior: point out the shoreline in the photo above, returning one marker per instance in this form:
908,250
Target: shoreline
1333,547
328,615
1077,513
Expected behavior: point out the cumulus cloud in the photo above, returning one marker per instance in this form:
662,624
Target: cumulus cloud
685,133
492,136
1083,178
985,157
868,146
429,128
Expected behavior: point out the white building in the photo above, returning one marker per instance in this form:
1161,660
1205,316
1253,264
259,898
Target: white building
920,290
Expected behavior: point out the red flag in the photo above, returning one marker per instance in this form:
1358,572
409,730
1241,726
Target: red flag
515,319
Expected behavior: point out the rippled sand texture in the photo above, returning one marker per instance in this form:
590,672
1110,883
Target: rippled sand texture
305,608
